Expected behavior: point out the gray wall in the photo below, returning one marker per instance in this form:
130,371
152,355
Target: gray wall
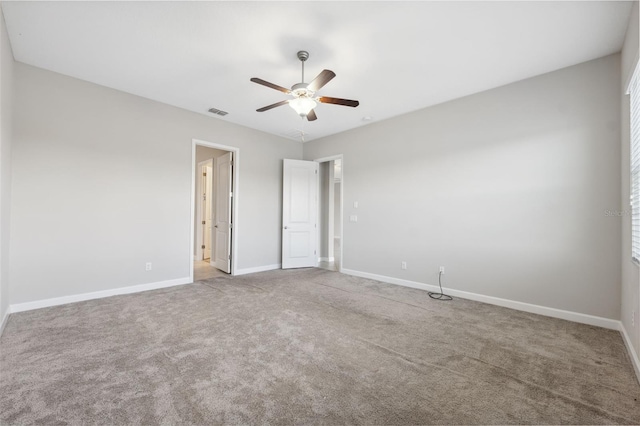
507,189
204,153
6,111
102,184
630,280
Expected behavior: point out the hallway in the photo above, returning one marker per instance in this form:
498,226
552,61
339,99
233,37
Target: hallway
202,270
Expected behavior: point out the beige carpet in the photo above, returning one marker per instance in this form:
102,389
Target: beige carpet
307,347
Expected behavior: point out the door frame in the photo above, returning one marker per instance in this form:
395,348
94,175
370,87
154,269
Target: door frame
235,185
199,207
324,160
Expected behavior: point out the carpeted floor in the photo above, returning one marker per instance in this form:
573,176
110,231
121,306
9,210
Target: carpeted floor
307,346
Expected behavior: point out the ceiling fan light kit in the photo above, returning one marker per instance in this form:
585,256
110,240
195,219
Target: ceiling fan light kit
302,105
304,100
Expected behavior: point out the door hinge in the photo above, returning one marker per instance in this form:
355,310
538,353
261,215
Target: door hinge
202,247
204,222
229,257
231,163
316,172
314,252
231,226
204,173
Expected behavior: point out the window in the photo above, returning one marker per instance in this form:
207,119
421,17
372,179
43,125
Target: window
634,92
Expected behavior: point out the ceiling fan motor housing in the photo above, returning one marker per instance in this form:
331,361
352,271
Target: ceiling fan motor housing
300,91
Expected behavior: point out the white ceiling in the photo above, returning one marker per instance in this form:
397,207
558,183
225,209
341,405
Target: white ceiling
394,57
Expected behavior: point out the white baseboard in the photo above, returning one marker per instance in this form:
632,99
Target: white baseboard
38,304
258,269
633,355
520,306
27,306
326,259
5,318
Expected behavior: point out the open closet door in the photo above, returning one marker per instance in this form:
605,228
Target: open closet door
223,167
299,214
208,210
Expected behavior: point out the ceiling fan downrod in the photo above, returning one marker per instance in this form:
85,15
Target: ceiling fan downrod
303,55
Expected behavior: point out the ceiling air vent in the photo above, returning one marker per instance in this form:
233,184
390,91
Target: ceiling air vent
296,134
218,111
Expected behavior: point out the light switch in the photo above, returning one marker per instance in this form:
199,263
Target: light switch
355,204
353,218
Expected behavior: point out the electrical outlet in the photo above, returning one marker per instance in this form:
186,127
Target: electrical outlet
403,265
353,218
442,270
148,266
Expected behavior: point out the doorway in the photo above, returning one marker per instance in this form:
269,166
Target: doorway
330,213
214,209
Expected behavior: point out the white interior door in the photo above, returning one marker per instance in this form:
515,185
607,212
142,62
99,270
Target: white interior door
222,167
208,200
299,214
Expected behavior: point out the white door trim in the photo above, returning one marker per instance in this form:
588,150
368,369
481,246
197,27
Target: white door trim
199,218
323,160
234,203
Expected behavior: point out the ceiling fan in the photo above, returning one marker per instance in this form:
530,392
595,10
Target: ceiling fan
304,94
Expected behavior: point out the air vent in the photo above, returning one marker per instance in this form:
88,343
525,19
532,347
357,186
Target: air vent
296,134
218,111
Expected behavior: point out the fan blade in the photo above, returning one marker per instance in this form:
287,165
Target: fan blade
268,107
273,86
312,116
338,101
323,78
